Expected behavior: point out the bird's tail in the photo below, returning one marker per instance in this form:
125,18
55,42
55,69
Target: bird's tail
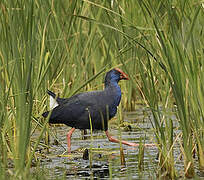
53,99
51,94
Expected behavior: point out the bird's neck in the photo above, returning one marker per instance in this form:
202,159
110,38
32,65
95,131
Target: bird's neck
115,88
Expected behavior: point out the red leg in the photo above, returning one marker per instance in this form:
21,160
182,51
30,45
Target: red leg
112,139
69,135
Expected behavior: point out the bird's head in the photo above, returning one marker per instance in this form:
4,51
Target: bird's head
115,75
122,74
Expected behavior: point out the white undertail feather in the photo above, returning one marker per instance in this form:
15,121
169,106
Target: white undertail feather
53,103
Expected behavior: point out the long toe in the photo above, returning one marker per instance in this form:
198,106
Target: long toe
132,144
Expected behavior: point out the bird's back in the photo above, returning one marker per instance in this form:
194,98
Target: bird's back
96,107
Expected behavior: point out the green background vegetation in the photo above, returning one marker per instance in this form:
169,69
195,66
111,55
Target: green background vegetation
67,46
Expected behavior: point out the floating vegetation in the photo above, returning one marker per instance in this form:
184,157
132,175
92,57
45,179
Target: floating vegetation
67,47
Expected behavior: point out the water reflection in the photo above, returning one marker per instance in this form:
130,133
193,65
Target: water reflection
100,158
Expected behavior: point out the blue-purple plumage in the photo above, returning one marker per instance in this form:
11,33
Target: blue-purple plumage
97,106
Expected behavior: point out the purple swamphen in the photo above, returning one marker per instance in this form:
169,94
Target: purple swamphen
90,109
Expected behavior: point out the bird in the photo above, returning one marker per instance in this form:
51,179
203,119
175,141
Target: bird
89,110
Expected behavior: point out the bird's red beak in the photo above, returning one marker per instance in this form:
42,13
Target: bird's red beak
122,74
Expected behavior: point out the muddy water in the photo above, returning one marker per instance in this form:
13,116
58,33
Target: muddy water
104,157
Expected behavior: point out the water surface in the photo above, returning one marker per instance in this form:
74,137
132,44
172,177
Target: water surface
104,156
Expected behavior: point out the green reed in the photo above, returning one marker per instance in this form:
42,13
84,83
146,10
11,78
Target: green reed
184,73
16,60
67,46
182,69
162,124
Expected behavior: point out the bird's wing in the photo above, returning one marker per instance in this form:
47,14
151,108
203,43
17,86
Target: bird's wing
79,108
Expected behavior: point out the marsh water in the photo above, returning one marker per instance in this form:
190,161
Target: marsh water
104,158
